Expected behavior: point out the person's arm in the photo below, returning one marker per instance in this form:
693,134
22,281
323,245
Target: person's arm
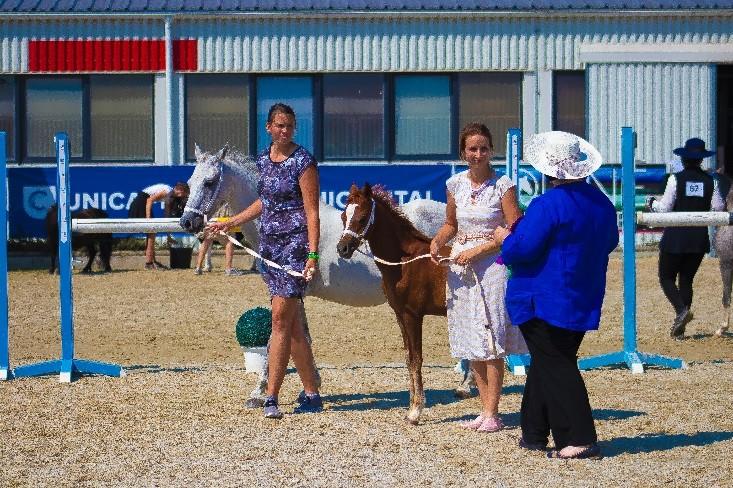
666,204
309,189
249,213
151,200
531,237
447,231
512,212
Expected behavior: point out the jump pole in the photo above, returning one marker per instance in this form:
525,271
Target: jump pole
67,365
517,363
4,337
629,356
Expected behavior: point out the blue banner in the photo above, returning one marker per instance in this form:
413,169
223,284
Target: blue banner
112,188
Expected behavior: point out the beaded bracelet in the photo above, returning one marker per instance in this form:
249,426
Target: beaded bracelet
313,255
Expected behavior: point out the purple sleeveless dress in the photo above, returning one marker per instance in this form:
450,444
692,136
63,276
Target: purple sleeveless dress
283,227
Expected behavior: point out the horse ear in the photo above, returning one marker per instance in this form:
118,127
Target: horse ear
197,151
223,152
353,188
367,190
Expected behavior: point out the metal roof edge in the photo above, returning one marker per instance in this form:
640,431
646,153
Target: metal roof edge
345,14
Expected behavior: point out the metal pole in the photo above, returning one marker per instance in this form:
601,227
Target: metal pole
66,295
169,87
4,337
517,363
628,190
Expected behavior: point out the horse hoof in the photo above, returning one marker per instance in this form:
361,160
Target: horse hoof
463,393
410,421
254,403
721,331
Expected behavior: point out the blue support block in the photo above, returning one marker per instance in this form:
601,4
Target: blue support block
632,358
518,363
67,366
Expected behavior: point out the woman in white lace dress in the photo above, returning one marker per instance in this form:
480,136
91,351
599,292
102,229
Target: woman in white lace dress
478,326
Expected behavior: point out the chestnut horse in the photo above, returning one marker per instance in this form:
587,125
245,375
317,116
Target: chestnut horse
414,289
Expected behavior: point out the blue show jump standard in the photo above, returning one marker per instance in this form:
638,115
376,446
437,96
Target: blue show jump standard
630,356
4,340
67,365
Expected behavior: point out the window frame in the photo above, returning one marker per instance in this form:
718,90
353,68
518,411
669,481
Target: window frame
251,105
454,131
12,145
319,112
555,75
85,158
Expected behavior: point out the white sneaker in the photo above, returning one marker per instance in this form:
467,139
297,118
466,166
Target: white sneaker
234,272
197,271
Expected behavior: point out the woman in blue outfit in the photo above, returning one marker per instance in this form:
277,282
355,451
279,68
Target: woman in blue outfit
289,235
558,254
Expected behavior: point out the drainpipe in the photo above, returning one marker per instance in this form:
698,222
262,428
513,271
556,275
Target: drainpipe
169,88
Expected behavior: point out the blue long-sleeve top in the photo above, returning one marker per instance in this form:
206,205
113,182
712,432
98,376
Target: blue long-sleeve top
559,256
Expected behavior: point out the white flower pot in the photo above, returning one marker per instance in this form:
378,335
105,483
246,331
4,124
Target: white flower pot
255,359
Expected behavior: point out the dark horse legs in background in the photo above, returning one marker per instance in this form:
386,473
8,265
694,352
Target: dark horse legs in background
413,290
87,241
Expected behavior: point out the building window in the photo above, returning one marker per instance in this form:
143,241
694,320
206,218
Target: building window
422,116
569,102
7,114
353,116
121,116
107,118
296,91
217,112
53,105
493,99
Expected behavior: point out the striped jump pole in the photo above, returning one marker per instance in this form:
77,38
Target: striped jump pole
68,364
4,337
517,363
629,356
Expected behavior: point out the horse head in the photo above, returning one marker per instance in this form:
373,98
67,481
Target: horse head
357,218
205,185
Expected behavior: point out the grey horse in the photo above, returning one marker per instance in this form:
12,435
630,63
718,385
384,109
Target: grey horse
724,248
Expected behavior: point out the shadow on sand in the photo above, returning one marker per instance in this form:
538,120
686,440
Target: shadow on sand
660,442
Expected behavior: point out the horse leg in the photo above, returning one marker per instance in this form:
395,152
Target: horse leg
91,252
105,253
412,338
726,273
257,396
467,387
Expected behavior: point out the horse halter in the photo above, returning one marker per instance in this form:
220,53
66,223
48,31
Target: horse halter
350,232
206,207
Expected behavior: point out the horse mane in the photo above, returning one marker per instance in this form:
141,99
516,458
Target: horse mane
235,157
380,194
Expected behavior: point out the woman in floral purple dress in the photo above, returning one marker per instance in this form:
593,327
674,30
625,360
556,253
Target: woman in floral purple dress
289,235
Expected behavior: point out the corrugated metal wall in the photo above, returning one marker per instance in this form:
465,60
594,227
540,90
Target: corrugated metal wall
364,43
666,103
429,44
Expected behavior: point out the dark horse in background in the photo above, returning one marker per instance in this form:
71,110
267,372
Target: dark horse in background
88,241
413,290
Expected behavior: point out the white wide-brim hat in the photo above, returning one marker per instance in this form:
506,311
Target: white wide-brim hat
561,155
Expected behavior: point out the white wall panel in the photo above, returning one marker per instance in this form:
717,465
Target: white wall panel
666,104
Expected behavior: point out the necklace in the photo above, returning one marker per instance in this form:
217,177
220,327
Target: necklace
475,192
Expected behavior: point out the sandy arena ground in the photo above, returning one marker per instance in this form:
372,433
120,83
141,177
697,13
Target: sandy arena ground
177,418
